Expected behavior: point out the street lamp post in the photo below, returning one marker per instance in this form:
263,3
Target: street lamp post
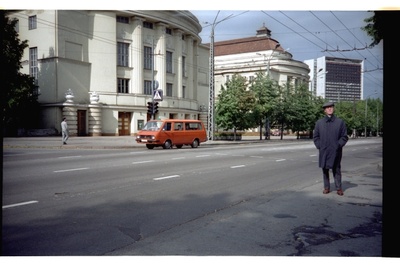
210,126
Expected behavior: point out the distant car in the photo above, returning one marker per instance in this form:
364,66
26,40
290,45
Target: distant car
275,132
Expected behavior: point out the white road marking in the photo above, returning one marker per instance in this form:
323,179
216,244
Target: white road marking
19,204
280,160
72,169
237,166
62,157
142,162
167,177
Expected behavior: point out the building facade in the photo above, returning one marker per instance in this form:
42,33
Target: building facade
336,79
100,68
248,56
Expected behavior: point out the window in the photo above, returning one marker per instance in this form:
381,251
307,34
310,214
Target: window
147,25
183,91
169,62
123,54
33,63
184,65
148,58
140,124
169,90
147,88
124,20
168,31
123,85
32,22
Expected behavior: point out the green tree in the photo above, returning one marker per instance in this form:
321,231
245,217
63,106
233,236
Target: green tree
375,27
303,109
234,105
19,104
265,91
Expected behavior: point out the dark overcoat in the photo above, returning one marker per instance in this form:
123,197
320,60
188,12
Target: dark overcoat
330,135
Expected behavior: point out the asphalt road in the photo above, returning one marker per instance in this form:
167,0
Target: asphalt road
254,199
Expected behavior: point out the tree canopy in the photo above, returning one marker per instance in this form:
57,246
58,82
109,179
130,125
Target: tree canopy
19,104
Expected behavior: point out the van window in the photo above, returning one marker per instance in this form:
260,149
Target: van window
152,126
193,126
167,126
178,126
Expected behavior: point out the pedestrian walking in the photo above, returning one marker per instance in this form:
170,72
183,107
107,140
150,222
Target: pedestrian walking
64,130
330,136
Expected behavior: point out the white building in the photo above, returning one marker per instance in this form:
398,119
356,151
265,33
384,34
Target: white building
247,56
97,67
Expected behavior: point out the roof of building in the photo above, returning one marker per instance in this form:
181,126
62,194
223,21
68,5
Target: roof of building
261,42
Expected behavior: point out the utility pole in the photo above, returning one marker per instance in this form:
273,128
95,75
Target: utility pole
210,126
152,81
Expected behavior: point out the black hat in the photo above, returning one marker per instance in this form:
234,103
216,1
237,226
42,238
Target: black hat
328,104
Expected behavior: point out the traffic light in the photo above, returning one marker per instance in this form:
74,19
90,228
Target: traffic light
155,107
150,108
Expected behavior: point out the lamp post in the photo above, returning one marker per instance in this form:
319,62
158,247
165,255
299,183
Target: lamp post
366,111
210,126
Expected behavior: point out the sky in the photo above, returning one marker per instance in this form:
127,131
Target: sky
305,34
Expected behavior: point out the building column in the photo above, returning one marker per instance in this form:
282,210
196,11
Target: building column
95,119
189,70
160,53
137,83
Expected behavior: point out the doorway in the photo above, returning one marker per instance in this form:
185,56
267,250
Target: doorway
124,123
81,122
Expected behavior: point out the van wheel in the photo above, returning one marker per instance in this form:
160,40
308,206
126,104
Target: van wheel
195,143
179,146
167,145
150,146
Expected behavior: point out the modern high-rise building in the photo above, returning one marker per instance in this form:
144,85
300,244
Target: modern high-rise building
336,79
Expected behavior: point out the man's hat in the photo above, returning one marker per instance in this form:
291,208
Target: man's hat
328,104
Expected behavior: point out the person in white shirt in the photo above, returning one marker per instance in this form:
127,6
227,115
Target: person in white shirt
64,131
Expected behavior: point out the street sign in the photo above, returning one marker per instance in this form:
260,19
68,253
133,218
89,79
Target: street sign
158,95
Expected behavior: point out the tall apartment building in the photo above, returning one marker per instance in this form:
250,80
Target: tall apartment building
98,68
336,79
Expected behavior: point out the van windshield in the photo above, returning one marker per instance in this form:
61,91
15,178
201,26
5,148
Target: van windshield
152,126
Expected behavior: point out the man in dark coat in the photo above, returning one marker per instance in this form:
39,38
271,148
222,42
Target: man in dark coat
330,135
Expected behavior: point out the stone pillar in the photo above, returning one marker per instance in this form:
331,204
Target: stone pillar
95,115
95,119
70,112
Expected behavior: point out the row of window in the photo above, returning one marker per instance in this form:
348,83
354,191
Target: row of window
123,58
123,87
